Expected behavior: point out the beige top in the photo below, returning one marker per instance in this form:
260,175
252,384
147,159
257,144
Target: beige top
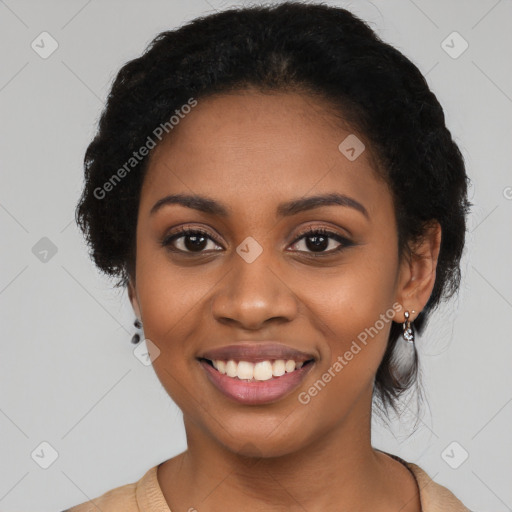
146,495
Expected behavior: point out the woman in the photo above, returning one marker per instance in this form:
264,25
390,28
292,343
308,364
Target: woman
277,189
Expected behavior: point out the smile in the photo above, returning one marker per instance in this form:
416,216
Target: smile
257,383
260,371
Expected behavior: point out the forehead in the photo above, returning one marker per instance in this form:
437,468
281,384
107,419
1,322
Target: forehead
249,147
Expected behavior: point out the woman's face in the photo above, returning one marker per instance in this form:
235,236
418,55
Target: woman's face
251,278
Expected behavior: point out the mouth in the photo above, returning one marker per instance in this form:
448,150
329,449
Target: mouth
248,371
256,373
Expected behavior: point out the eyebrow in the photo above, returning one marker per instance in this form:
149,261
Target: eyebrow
289,208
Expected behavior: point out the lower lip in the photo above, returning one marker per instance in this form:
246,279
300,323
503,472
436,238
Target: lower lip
257,392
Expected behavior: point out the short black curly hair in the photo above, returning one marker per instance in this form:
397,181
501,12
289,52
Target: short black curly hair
323,50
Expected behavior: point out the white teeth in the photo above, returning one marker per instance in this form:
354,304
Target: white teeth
289,365
231,368
278,368
221,366
245,370
262,370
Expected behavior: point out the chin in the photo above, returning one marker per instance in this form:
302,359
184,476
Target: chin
263,442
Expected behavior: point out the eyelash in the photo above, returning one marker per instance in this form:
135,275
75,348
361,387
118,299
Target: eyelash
183,232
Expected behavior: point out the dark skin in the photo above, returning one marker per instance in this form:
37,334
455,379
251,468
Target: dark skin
251,152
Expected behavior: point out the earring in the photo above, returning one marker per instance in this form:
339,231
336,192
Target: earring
136,337
404,356
408,333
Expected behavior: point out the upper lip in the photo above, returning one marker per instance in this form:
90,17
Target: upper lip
256,352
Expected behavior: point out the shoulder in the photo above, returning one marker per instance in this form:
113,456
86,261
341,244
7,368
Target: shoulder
435,497
133,497
120,498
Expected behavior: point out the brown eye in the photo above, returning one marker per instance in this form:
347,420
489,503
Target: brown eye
189,241
319,240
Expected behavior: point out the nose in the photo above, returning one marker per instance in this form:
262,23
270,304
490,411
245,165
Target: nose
253,294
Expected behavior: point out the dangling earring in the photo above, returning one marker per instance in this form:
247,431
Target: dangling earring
404,351
408,333
136,337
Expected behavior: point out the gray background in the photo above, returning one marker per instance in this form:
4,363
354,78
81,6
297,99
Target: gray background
68,374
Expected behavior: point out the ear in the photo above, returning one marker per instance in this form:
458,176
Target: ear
417,273
132,294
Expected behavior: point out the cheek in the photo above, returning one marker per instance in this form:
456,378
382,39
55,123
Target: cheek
171,312
355,306
354,309
169,299
172,307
